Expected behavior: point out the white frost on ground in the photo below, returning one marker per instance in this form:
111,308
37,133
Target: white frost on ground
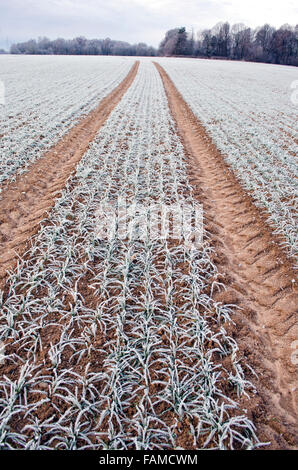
44,97
248,111
142,347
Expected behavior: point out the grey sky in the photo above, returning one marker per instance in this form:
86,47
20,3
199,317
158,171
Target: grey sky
132,20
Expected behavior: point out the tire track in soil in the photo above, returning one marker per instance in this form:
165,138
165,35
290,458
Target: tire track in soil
25,202
258,276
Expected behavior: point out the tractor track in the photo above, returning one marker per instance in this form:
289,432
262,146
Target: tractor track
258,276
25,202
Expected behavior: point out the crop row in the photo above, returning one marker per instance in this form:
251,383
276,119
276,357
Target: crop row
44,98
118,342
248,111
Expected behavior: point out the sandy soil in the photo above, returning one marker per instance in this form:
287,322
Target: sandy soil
258,276
25,203
255,270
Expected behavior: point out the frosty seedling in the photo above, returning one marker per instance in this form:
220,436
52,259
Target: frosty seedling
2,352
114,334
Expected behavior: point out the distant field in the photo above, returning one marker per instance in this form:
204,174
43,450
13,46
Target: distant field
124,325
45,97
247,109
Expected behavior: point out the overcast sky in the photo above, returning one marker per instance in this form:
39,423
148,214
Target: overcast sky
132,20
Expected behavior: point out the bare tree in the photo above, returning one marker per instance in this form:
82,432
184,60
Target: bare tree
237,42
168,44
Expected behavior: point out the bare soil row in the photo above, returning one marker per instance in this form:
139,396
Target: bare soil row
258,276
25,202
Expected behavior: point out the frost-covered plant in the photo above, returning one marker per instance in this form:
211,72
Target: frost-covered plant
124,338
247,110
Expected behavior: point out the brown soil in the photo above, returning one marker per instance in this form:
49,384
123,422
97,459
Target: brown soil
25,203
258,276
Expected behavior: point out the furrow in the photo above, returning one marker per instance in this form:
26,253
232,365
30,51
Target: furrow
255,292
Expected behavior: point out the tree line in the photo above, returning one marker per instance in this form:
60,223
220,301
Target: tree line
82,46
238,42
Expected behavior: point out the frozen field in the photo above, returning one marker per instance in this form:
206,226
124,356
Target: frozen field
248,111
45,97
127,332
